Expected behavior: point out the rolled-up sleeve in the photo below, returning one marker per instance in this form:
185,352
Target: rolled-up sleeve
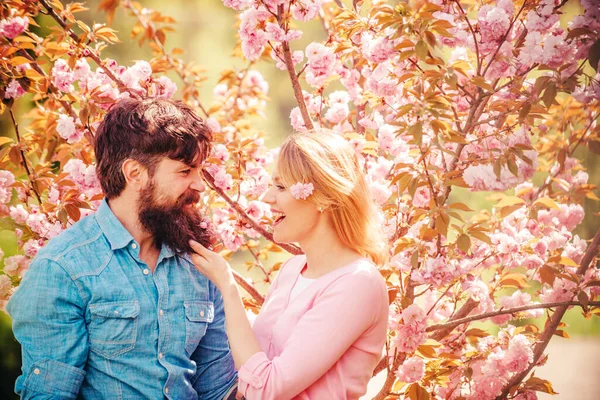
48,316
319,340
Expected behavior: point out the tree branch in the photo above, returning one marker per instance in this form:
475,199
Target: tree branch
259,298
122,87
290,248
554,320
289,63
505,311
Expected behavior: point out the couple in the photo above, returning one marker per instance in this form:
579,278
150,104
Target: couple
130,302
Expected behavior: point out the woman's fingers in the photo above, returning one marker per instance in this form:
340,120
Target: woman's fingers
199,249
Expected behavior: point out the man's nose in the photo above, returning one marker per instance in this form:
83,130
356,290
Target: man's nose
198,184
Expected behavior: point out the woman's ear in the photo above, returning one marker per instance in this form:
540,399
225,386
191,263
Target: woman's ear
135,174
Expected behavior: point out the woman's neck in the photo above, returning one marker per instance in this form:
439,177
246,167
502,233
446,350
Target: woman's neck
325,252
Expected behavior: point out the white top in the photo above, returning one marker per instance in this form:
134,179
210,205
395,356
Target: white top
301,284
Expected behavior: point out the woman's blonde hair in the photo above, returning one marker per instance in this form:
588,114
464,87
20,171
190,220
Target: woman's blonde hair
328,161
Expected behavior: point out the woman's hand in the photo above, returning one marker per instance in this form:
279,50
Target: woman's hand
212,265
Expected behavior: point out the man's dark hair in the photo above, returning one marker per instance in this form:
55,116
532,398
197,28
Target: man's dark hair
147,130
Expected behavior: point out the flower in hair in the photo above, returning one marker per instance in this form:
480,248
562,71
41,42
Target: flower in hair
302,190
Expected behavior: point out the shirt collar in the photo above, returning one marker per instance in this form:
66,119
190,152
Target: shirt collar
113,229
119,237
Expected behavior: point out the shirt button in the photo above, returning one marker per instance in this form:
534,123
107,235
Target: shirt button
161,312
202,313
167,390
146,271
36,371
134,246
160,355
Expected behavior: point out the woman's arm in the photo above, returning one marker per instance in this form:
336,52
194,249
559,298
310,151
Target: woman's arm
242,340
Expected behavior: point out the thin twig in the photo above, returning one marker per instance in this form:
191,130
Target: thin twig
23,158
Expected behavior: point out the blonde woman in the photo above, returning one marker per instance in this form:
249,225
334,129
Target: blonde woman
322,327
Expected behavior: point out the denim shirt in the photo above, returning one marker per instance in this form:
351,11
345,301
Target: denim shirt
94,322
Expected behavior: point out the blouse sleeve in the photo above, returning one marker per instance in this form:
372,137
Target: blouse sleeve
340,315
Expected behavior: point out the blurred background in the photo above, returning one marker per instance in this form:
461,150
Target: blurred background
206,29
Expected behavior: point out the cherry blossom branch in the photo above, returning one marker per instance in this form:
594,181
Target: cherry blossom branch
462,11
504,37
177,66
290,248
289,64
23,158
505,311
552,323
248,287
465,310
54,90
122,87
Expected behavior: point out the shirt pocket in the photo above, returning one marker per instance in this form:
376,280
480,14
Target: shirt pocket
113,327
198,314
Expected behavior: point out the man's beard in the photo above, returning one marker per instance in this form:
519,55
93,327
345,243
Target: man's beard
173,224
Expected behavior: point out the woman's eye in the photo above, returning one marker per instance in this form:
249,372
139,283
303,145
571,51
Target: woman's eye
280,187
185,172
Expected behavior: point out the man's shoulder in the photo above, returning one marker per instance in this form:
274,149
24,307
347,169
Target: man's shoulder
78,248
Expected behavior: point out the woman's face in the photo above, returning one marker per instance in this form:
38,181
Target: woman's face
294,220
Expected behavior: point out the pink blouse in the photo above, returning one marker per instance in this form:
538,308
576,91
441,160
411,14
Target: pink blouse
325,343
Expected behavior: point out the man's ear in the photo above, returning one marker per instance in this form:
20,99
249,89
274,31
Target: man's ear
136,175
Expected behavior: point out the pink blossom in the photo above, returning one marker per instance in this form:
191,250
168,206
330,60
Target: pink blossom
14,90
321,62
257,209
82,70
493,22
141,71
19,214
16,266
6,180
253,38
301,191
562,290
519,354
305,10
167,87
411,370
220,152
297,58
62,76
422,197
380,192
66,129
296,120
378,50
238,4
223,180
213,125
12,27
543,18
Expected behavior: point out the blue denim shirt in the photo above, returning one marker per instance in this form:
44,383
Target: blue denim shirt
94,322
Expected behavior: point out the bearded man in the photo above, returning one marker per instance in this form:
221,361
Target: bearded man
113,307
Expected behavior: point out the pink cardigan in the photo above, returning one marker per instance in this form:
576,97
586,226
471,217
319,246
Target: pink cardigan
324,344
